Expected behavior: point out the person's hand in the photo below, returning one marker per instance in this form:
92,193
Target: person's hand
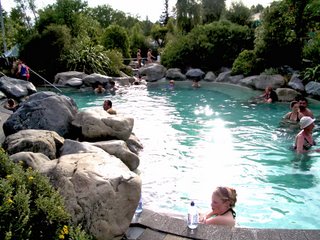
202,218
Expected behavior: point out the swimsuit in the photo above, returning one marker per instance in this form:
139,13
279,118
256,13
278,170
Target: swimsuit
297,120
232,211
306,144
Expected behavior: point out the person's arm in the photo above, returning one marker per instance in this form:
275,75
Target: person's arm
287,116
299,144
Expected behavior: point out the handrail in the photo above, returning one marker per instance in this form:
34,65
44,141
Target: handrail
45,80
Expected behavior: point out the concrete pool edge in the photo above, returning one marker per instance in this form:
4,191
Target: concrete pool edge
150,225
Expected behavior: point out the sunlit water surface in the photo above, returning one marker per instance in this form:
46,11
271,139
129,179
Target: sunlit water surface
197,139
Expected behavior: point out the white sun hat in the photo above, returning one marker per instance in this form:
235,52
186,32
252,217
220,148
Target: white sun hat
305,122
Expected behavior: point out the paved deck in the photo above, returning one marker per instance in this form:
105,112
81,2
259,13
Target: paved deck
153,226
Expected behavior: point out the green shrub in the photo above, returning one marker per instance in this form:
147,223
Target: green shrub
311,74
210,46
30,208
244,63
311,50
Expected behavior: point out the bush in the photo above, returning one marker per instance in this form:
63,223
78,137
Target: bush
311,74
210,46
311,50
245,63
30,208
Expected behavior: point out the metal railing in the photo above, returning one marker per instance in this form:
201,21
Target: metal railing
45,80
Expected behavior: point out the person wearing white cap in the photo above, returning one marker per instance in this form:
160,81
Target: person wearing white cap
304,140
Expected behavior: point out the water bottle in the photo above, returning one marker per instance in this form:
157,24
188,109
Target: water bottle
193,216
139,208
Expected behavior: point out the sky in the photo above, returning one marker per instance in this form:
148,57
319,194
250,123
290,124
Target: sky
142,8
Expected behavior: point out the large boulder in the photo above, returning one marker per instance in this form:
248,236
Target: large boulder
63,77
210,77
16,88
313,88
100,192
95,78
286,94
38,141
97,124
262,81
296,83
74,82
120,149
134,144
153,72
72,147
195,74
175,74
43,110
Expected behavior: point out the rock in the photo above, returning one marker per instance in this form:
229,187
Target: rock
100,192
74,82
31,159
63,77
37,141
119,149
262,81
153,72
175,74
210,77
16,88
286,94
224,76
134,144
296,83
72,147
195,74
313,88
97,124
43,110
95,78
124,81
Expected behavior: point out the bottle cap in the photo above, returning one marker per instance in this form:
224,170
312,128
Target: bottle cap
192,203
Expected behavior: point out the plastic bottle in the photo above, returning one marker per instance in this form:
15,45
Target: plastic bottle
193,216
139,208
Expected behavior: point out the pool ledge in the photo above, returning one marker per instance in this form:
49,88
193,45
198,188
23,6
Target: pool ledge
150,225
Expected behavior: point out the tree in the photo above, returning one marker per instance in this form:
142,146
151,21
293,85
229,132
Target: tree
212,10
238,13
188,14
137,40
165,14
159,33
256,9
116,37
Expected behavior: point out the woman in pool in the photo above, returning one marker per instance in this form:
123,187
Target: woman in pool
295,115
304,140
222,203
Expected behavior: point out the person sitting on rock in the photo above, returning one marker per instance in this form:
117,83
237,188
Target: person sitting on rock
107,106
270,96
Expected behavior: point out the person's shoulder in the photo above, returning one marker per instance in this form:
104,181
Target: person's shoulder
221,220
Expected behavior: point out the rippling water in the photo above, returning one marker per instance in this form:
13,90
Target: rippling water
197,139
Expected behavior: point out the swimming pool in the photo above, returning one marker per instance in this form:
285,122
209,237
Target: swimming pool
196,139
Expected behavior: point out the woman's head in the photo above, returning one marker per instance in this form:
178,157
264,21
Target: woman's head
294,105
223,198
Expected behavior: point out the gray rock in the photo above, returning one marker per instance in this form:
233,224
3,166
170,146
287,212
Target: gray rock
134,144
31,159
63,77
100,192
37,141
72,147
124,81
224,76
195,74
97,124
119,149
296,83
16,88
175,74
313,88
286,94
95,78
210,77
43,110
74,82
153,72
262,81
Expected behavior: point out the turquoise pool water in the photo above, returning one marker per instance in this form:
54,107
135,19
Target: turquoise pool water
196,139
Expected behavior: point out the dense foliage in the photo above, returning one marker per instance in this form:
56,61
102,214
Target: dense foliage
208,46
30,208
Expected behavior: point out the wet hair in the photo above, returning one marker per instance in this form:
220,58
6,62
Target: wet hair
303,99
293,103
227,194
109,103
112,83
11,102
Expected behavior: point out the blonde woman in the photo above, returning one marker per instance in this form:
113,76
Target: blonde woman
222,203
